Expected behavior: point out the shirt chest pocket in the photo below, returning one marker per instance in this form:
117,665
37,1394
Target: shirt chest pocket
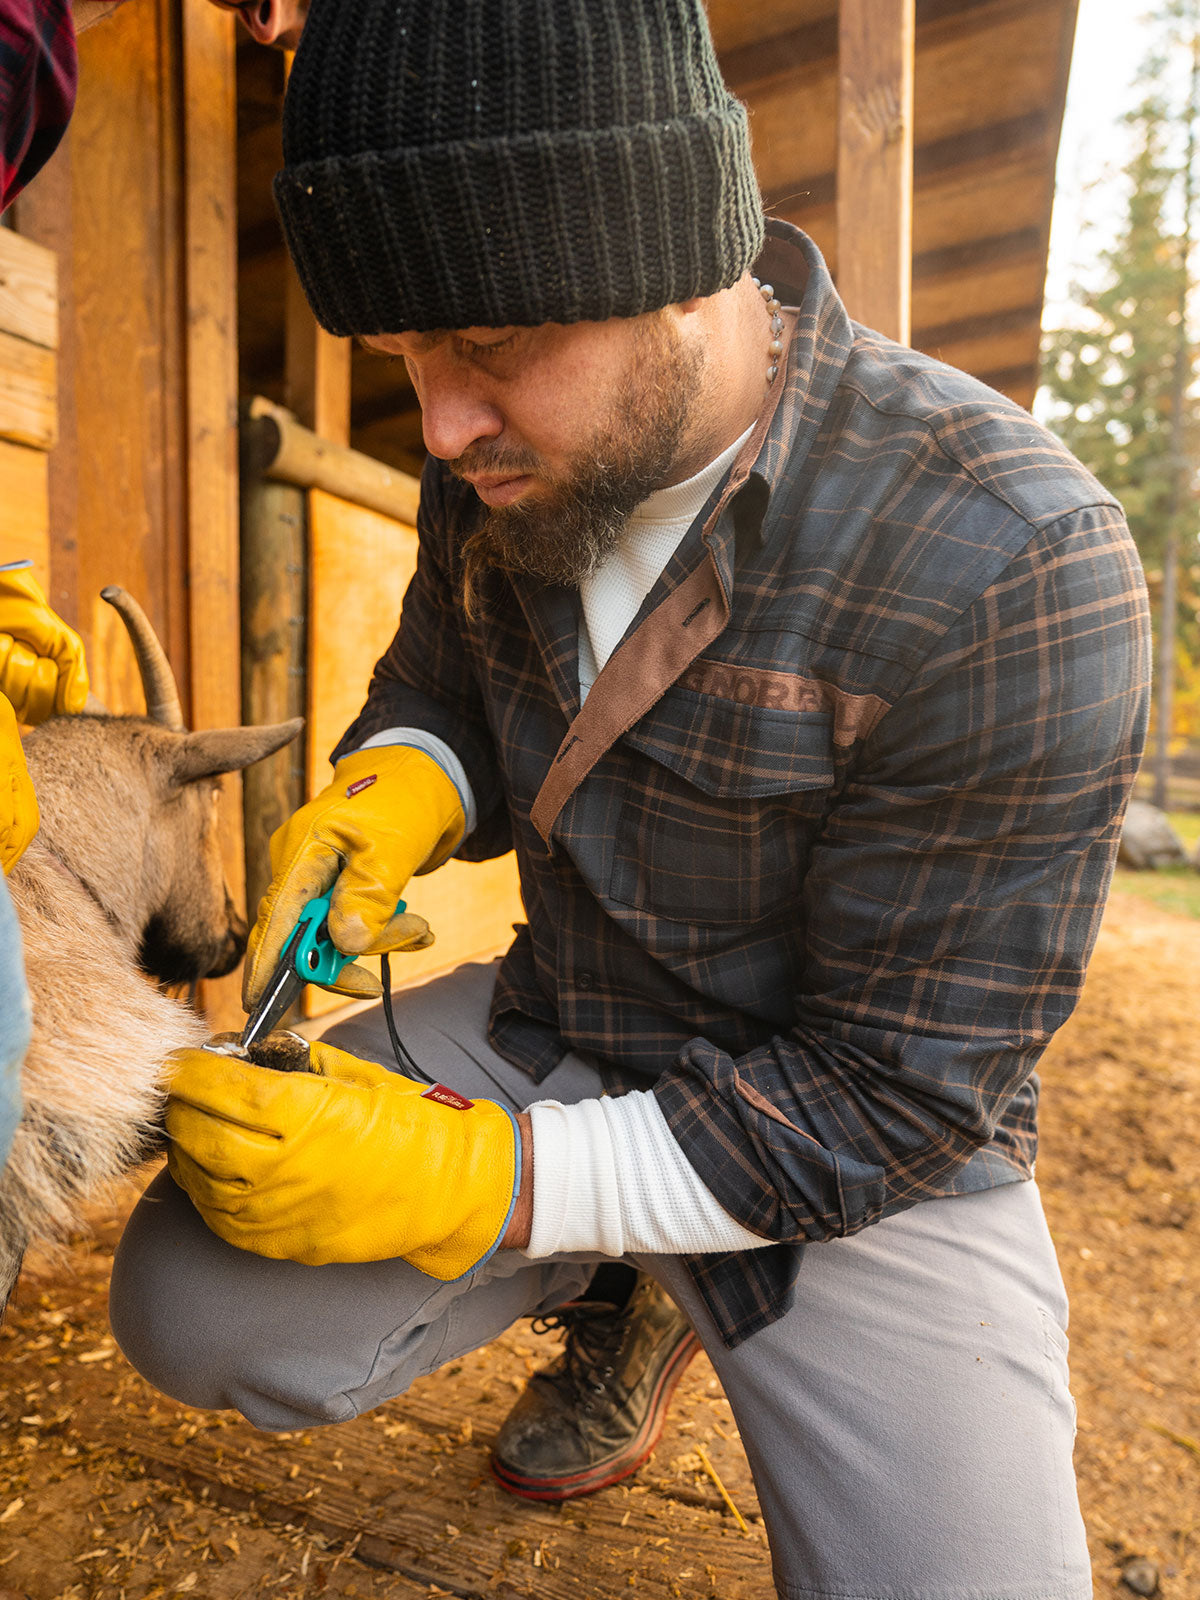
720,807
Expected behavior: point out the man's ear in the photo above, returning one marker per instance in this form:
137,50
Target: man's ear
272,22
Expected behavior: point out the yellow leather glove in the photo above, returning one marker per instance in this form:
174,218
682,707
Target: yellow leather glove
18,803
390,812
346,1163
42,669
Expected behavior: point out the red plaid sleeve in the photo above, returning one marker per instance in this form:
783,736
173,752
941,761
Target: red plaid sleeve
38,76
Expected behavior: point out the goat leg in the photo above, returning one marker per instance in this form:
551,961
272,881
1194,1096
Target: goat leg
12,1254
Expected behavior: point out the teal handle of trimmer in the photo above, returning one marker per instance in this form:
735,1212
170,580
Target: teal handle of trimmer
317,959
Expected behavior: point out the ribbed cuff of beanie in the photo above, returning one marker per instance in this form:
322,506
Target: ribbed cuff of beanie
570,226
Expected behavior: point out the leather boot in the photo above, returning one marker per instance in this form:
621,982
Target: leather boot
594,1415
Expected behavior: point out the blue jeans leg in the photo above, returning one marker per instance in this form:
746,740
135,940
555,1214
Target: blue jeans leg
14,1021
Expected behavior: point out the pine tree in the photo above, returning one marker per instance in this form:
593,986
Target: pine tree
1119,383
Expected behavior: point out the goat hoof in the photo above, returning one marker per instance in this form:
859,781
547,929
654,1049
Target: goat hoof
282,1051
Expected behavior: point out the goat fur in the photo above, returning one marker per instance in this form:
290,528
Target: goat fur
125,844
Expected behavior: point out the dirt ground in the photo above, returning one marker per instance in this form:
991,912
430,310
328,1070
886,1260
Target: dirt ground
109,1492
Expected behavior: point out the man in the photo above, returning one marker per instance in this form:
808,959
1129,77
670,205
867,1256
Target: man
808,679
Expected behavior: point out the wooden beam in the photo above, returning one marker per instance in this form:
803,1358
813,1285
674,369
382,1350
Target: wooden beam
1019,319
1004,143
210,280
812,48
1011,381
278,447
975,254
875,162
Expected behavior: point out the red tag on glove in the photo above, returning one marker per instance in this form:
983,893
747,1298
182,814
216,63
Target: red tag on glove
448,1097
361,784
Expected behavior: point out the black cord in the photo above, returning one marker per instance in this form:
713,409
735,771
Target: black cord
403,1060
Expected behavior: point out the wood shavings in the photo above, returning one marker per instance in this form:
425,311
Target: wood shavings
721,1489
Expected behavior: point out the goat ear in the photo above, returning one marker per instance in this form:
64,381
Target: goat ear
204,755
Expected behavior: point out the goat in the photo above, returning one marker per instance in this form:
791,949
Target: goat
122,882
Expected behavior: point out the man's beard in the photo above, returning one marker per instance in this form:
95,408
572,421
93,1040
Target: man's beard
563,533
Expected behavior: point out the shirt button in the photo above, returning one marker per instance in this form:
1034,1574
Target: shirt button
585,981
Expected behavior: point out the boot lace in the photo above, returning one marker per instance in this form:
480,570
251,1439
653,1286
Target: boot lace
594,1331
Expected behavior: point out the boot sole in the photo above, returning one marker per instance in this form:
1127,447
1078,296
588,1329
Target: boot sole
602,1474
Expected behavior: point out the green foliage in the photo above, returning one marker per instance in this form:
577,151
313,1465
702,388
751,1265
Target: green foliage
1111,377
1171,888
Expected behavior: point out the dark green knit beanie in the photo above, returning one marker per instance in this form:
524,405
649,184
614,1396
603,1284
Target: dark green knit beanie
480,163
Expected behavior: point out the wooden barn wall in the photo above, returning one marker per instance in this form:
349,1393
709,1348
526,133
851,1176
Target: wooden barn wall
138,209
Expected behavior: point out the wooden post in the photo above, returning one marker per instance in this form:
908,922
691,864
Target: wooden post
210,281
274,649
876,44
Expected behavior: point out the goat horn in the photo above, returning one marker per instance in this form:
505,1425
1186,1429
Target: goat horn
158,681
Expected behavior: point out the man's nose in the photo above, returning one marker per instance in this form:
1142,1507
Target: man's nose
452,418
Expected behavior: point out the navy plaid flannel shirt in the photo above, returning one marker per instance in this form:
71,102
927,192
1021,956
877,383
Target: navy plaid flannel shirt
823,856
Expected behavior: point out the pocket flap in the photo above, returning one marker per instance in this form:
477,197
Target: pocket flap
728,749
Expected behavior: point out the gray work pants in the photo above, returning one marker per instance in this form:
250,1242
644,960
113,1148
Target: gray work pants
908,1423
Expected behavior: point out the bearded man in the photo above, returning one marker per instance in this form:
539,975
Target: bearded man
807,678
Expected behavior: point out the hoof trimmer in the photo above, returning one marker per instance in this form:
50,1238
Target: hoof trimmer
310,956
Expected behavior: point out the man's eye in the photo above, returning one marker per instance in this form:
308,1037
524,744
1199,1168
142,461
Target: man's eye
495,348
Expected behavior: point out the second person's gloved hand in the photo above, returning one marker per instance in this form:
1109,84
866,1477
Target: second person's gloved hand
18,803
390,812
42,669
348,1162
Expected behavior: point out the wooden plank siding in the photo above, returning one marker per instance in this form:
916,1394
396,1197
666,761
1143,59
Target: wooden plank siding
117,483
28,290
25,508
28,413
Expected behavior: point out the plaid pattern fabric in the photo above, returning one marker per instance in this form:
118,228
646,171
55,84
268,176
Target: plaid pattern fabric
38,72
835,889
